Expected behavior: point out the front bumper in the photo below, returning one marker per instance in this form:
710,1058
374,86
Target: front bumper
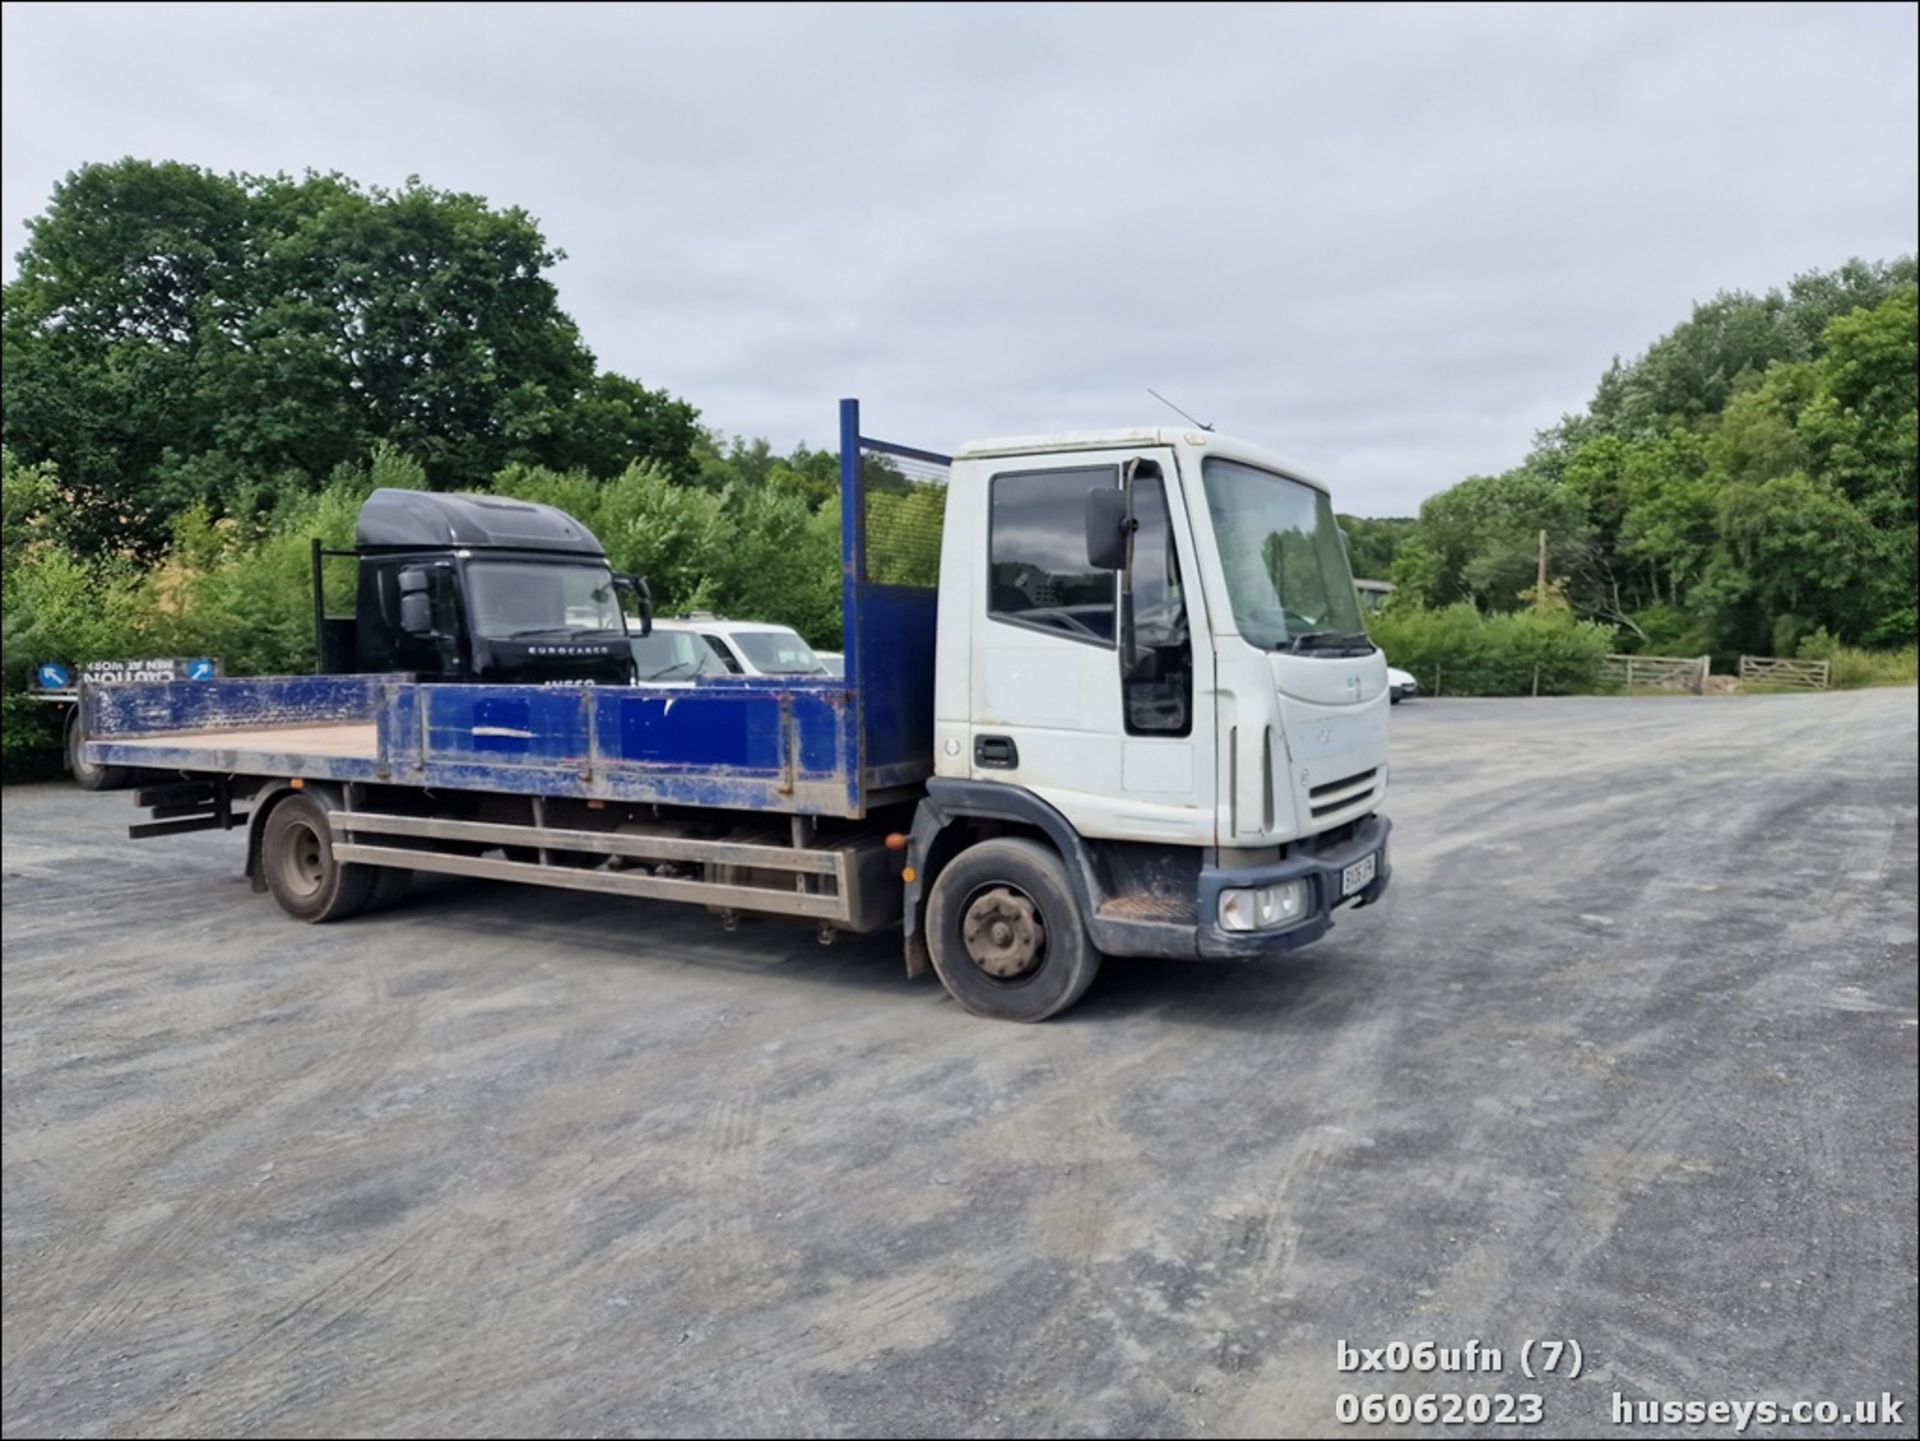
1320,869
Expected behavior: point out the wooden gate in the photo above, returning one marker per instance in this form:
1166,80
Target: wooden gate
1801,674
1657,672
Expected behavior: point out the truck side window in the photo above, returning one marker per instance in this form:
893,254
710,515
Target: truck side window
1157,678
1037,569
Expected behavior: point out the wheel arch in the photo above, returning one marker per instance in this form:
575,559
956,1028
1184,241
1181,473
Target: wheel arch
950,818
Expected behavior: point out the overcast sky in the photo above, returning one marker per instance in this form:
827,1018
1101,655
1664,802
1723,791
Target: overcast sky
1389,243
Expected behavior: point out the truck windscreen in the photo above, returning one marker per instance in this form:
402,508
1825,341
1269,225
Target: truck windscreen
512,598
1286,570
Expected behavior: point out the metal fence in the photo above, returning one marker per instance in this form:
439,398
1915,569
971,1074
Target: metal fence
1776,670
905,494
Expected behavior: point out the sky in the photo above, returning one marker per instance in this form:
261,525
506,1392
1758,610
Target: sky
1389,243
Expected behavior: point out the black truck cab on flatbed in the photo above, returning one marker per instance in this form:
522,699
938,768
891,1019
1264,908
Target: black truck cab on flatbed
478,588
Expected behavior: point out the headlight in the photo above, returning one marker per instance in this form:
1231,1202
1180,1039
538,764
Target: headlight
1263,908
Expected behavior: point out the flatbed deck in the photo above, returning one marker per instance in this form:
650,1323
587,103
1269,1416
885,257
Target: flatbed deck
358,741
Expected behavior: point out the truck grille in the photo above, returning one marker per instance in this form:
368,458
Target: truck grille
1324,800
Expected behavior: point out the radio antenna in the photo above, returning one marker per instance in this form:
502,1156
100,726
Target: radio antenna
1176,409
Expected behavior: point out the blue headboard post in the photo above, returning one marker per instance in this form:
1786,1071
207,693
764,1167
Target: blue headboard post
853,573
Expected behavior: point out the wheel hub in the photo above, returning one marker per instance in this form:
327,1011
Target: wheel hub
1003,933
305,867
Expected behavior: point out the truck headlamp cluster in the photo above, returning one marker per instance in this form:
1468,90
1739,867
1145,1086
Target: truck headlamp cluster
1263,908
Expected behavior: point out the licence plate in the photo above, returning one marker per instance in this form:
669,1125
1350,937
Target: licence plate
1359,875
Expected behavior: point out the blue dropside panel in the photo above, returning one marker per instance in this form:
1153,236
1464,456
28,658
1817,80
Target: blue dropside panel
211,705
699,731
533,725
745,744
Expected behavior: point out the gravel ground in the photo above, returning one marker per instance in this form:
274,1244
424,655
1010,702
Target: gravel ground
1627,1057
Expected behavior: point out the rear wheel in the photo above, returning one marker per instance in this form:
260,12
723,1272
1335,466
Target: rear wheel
296,857
390,884
86,775
1005,932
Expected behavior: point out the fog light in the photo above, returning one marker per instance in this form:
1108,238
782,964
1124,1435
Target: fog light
1263,908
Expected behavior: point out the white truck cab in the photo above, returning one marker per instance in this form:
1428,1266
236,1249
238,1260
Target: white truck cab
1154,634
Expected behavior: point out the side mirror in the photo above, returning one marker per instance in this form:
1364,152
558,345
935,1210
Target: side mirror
642,597
1107,527
416,613
416,601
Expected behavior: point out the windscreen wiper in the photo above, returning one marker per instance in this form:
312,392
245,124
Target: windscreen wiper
1329,640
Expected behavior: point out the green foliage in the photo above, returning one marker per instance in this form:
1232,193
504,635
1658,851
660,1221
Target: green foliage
1691,373
178,338
54,605
1458,650
1748,480
750,551
1479,542
1854,668
1373,543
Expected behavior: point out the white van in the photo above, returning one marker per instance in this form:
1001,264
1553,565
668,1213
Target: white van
746,647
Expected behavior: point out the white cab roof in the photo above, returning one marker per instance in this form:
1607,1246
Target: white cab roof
1205,441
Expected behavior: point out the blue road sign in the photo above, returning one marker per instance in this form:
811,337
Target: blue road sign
201,670
54,676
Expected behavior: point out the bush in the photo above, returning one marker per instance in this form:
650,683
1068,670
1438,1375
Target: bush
1457,650
1856,669
753,552
54,605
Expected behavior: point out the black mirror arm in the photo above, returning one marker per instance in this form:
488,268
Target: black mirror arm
642,597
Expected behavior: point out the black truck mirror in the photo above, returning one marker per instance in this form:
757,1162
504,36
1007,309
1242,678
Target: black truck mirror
416,613
416,601
1107,527
642,597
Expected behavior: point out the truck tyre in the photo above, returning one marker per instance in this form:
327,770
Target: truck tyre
296,857
390,886
1006,934
86,775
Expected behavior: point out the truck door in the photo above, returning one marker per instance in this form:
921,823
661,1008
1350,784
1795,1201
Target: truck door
1062,704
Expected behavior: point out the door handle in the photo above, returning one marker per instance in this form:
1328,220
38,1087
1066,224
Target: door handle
996,752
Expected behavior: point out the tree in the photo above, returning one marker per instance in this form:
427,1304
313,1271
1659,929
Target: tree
1690,374
177,337
1479,541
1749,480
1374,542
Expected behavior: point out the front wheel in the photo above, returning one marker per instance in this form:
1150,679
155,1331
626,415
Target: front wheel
1005,932
297,860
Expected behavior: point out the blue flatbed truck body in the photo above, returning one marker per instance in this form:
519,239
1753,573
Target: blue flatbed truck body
826,746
